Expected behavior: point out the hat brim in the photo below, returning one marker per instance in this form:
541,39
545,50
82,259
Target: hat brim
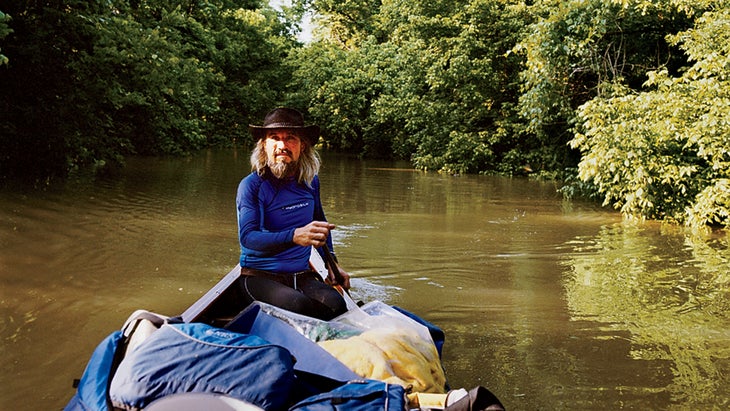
309,133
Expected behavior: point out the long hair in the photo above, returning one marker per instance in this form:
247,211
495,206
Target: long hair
308,163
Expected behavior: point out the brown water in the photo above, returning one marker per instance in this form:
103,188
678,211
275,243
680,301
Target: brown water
549,304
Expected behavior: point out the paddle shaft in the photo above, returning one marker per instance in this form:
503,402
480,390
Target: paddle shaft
331,265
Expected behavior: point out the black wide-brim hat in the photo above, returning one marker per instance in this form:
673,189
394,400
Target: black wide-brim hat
284,117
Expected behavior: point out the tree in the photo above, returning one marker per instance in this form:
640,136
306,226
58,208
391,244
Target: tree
664,153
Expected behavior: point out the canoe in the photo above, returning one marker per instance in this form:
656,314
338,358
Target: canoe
220,355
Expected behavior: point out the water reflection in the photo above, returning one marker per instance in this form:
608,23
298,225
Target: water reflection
667,294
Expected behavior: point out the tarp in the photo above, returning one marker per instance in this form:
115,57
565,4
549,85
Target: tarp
310,357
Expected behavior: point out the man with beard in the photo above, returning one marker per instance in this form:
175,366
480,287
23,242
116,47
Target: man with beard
280,217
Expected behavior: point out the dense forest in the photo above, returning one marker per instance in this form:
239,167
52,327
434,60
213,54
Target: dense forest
625,101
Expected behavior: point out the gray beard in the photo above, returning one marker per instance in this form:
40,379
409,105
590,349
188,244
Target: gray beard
281,170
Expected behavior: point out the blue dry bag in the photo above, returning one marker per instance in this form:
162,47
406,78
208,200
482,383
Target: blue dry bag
92,388
360,395
195,357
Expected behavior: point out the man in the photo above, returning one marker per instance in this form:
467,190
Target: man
280,217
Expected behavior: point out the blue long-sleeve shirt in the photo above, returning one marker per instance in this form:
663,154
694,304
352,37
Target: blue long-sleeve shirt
269,210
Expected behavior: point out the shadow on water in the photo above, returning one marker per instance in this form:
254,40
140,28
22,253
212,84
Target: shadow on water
549,304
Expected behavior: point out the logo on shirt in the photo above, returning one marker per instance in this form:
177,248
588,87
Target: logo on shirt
295,206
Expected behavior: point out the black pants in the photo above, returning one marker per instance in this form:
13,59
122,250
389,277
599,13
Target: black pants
304,292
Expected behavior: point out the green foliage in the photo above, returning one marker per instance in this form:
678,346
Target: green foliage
347,22
426,73
574,48
91,82
4,31
665,153
468,153
155,91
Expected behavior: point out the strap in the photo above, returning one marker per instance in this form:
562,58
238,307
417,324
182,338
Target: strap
131,324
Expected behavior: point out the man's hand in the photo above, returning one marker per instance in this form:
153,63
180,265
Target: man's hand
314,233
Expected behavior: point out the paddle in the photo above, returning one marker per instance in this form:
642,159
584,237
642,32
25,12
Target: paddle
331,265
